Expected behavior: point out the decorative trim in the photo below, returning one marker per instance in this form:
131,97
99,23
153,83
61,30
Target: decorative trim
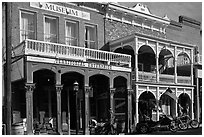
130,92
112,91
30,87
87,89
59,88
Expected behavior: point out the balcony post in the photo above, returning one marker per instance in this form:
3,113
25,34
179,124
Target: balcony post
59,124
136,105
87,105
112,92
129,126
176,103
192,106
192,62
157,103
157,62
175,65
197,99
136,59
29,107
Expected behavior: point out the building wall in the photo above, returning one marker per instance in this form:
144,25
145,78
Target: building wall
95,19
187,34
3,51
115,30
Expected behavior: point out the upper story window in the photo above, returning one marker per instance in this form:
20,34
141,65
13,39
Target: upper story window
50,29
27,25
90,36
71,33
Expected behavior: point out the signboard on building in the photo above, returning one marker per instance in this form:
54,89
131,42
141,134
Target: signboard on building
78,63
61,9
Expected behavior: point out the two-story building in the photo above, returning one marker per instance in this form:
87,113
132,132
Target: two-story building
162,68
54,46
125,61
189,30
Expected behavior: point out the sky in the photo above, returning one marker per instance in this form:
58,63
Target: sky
172,9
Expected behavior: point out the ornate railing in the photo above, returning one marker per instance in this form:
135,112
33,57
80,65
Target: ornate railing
163,78
55,50
146,76
183,80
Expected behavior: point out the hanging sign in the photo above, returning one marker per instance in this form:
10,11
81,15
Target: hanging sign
60,9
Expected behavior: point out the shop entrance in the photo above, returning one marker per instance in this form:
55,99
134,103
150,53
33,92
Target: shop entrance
120,103
44,100
68,101
168,103
147,103
99,97
184,106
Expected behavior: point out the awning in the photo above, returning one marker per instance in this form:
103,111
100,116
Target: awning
170,94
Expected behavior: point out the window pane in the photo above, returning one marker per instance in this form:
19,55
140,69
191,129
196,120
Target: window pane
50,32
90,37
71,33
27,26
90,33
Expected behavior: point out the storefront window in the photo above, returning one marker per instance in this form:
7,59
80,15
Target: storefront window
27,25
90,37
71,33
50,30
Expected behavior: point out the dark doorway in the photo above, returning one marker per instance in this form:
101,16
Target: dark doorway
68,100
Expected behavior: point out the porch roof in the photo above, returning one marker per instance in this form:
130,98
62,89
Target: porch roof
148,37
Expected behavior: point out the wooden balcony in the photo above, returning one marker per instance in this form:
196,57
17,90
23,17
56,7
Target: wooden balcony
146,76
185,80
61,51
163,78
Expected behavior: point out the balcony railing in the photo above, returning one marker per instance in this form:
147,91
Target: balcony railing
146,76
62,51
163,78
183,80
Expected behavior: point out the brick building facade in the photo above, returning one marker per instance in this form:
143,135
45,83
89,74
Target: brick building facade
127,63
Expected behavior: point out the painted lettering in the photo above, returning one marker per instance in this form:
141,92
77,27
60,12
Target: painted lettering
49,7
61,10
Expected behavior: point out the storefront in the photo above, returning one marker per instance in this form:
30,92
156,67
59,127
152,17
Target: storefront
50,93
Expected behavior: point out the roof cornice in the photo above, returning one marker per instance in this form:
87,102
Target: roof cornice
132,11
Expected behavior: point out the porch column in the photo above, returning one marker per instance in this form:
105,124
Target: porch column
130,91
157,103
175,65
136,105
197,98
136,59
68,110
29,107
59,123
87,90
112,91
192,62
176,107
157,63
192,102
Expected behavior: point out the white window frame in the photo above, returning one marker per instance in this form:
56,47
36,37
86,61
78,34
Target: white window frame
57,25
20,22
77,32
96,38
